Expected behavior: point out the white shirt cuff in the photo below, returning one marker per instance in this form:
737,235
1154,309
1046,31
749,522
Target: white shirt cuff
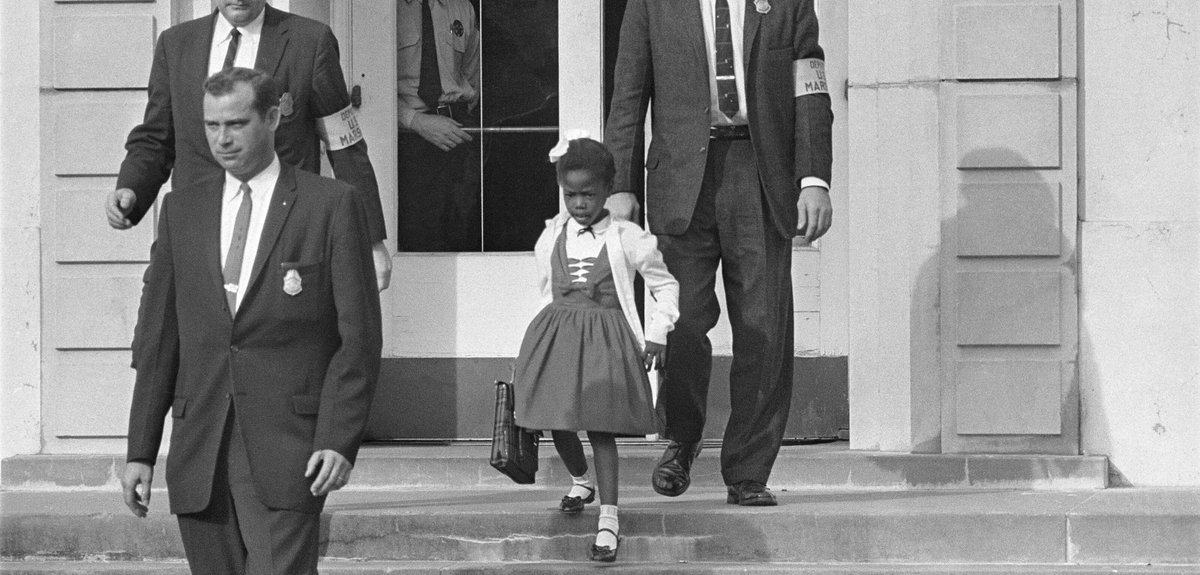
813,181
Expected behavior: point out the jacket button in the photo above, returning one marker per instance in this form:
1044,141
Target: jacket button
233,348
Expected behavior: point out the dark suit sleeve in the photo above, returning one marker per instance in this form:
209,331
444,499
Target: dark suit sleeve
351,164
150,149
349,384
633,82
156,350
814,116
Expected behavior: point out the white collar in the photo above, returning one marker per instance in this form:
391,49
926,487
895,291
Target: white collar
598,227
254,28
263,181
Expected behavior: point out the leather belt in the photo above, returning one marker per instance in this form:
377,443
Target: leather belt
729,132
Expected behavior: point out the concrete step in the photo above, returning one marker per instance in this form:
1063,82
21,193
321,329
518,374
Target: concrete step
336,567
459,466
1097,527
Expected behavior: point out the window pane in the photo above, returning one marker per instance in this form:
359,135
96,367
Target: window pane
520,118
494,191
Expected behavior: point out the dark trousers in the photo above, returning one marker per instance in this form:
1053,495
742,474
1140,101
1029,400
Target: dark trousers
730,226
237,534
439,202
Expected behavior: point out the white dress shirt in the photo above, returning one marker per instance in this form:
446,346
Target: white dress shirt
247,52
262,188
737,20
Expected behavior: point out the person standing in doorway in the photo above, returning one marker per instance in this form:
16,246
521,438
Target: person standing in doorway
438,73
738,164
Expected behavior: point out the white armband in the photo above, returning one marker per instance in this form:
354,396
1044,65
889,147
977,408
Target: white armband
809,74
340,129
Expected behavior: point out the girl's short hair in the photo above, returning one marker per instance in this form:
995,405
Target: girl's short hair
589,155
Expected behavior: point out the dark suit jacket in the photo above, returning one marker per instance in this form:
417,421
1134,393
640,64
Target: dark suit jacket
301,369
663,62
300,53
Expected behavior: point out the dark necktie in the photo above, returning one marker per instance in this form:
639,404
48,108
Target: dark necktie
237,246
430,88
727,94
231,54
586,230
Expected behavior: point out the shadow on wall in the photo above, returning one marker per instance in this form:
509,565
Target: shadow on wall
984,323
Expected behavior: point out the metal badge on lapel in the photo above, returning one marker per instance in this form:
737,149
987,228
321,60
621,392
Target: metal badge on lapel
291,283
457,28
285,104
763,6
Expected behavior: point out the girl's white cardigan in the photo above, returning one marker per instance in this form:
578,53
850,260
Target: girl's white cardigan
630,249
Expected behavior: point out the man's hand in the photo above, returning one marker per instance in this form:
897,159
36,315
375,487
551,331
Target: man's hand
655,354
443,132
623,206
332,471
816,213
137,474
118,205
383,265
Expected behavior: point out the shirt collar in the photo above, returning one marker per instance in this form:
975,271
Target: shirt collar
258,184
254,28
573,226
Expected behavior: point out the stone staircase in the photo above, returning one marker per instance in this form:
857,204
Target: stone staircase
441,509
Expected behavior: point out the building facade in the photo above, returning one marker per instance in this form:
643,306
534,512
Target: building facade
1013,266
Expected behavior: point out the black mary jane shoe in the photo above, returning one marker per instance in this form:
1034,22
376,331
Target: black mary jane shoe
605,554
575,504
750,494
673,474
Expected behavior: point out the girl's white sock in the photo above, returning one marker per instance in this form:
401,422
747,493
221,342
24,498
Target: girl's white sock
608,520
581,487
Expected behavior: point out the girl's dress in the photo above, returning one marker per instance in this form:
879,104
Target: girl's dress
580,365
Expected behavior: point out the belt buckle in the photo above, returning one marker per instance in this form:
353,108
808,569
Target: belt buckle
445,110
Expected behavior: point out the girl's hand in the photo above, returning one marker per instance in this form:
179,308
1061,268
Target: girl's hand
655,354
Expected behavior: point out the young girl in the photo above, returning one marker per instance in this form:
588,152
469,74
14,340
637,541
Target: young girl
583,362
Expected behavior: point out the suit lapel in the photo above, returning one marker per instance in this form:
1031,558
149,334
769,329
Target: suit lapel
209,223
281,205
273,41
749,33
693,25
195,71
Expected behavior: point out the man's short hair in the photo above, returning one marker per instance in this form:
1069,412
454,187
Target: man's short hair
266,90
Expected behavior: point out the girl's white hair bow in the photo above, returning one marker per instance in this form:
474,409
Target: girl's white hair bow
561,147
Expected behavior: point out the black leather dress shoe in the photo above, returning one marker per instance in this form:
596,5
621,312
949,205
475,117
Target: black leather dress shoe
575,504
673,474
750,494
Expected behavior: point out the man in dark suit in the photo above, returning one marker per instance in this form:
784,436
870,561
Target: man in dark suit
261,336
302,55
739,163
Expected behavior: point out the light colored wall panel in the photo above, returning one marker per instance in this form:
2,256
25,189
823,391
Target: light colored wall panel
461,305
1008,308
95,312
1015,219
87,237
103,51
1006,41
1009,398
93,400
89,136
1009,131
